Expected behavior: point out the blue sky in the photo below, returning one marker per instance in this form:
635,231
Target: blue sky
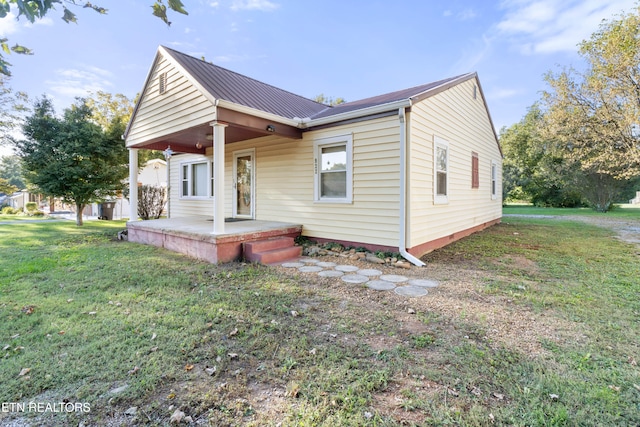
349,49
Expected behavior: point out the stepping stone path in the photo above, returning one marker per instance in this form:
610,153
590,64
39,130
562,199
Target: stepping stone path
371,278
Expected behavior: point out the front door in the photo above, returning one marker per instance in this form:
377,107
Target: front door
243,184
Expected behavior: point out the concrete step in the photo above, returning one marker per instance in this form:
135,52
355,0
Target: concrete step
272,250
276,256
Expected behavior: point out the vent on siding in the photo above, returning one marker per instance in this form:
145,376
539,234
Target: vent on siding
162,83
475,92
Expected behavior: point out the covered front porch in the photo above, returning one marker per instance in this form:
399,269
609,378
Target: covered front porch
242,239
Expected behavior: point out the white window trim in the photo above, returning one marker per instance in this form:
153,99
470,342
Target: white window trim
190,179
334,141
494,180
439,142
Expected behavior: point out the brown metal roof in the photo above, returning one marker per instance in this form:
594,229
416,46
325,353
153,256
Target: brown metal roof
414,93
233,87
239,89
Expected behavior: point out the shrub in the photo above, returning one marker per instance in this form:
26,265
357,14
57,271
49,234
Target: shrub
31,207
150,201
8,210
37,213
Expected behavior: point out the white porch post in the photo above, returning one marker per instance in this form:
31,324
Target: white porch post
218,177
133,184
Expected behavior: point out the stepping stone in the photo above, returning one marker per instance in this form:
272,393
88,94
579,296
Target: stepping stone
369,272
380,285
292,264
347,268
410,291
354,278
310,269
330,273
394,278
309,260
423,283
326,264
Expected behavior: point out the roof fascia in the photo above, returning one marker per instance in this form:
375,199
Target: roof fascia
441,88
258,113
144,88
349,115
486,108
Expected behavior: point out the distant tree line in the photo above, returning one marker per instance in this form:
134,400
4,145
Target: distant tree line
580,144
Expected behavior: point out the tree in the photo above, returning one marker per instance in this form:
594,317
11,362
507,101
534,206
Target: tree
594,116
12,106
6,187
72,157
11,171
33,10
328,100
532,168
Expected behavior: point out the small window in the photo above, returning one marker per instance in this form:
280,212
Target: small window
441,171
494,180
333,169
196,179
162,83
475,170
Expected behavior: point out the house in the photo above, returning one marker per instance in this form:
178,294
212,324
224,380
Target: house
154,172
408,171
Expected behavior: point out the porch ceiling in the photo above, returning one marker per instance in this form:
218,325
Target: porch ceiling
240,127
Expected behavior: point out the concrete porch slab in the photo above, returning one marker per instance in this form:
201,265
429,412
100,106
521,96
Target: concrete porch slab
193,236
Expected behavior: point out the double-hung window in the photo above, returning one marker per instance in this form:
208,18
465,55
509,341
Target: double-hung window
440,171
196,179
333,169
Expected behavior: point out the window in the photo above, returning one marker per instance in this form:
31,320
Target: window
162,83
333,169
475,170
196,179
441,171
494,180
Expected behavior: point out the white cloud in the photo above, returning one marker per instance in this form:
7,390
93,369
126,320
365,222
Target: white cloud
69,83
214,4
550,26
262,5
462,15
8,25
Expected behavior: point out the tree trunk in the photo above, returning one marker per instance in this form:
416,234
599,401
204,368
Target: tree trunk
79,209
52,205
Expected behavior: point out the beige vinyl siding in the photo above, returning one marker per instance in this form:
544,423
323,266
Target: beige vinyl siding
455,116
180,107
285,185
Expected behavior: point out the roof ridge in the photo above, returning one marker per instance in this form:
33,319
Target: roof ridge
211,64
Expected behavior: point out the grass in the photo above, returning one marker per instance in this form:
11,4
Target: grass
120,325
623,211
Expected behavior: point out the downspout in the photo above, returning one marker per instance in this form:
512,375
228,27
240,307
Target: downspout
403,191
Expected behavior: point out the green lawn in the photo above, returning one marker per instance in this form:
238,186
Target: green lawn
620,211
119,325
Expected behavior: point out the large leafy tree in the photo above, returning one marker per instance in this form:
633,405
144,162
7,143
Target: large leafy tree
11,171
12,107
594,115
533,167
73,157
33,10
